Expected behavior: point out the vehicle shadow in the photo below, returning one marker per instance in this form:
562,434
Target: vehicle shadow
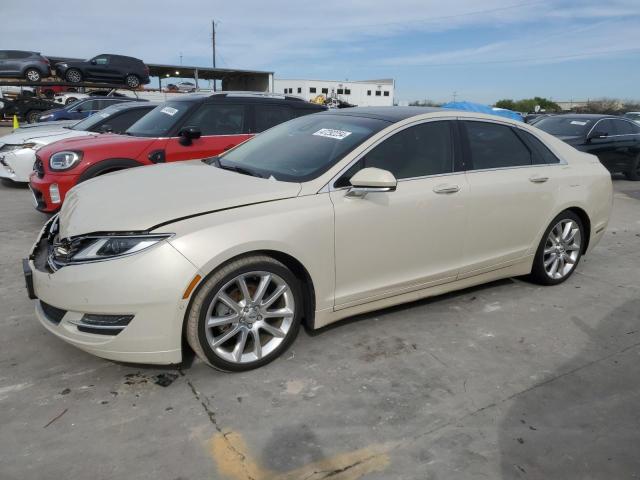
10,184
581,422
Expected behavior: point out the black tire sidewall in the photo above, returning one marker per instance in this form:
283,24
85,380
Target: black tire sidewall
32,116
538,273
293,283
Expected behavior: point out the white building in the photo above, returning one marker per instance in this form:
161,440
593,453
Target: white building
363,93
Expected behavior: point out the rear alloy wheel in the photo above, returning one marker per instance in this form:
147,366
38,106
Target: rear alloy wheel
73,75
132,81
559,251
634,169
33,75
245,315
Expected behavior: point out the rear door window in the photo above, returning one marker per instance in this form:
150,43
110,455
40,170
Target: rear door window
219,119
267,116
495,146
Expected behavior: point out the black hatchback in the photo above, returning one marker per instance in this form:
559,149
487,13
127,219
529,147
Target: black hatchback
113,69
614,140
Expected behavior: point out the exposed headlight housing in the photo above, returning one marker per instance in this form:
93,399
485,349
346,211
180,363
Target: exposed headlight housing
9,147
95,248
64,160
32,145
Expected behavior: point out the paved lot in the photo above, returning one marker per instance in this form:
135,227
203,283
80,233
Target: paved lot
509,380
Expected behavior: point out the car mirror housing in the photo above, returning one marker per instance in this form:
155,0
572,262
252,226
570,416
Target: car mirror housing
371,180
106,128
93,62
188,134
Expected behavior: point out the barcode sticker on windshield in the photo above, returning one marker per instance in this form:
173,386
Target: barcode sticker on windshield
577,122
169,111
331,133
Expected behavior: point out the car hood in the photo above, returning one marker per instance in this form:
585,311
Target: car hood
142,198
42,136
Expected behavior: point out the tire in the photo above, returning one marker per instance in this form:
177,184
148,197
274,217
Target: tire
32,116
70,100
562,256
634,169
224,350
132,81
73,75
32,75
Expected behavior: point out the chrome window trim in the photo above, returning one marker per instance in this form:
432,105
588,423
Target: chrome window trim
329,187
634,124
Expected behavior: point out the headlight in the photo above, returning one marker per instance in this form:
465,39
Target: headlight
64,160
44,117
104,247
32,145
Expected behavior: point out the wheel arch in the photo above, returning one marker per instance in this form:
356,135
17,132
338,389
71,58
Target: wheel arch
292,263
586,224
107,166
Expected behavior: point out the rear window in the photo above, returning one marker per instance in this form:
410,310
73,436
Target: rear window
565,126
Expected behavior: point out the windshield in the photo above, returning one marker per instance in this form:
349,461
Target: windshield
633,115
565,126
302,149
92,120
159,121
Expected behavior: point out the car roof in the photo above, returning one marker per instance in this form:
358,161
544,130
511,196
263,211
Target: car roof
587,116
131,105
249,97
389,114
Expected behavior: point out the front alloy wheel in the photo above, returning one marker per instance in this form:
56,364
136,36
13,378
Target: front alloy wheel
559,251
245,315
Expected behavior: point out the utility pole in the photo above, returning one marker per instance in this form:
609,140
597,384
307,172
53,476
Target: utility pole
455,95
213,45
180,58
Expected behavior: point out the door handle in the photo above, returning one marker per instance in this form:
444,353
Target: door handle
537,179
446,188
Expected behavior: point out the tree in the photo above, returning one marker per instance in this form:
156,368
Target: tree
506,103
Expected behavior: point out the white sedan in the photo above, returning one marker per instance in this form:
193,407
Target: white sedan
320,218
18,149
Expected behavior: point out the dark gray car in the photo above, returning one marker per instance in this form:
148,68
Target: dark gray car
20,64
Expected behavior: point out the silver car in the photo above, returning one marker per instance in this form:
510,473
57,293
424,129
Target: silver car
20,64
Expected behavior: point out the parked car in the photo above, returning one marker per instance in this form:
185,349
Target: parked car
70,97
190,127
187,87
18,149
634,116
115,69
29,65
52,91
614,140
27,108
81,108
318,219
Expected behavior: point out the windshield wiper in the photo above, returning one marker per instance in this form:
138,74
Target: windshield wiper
215,161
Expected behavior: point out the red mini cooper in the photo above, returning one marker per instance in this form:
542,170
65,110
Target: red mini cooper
188,128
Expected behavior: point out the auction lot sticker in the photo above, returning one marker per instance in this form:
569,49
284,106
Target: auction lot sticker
169,111
331,133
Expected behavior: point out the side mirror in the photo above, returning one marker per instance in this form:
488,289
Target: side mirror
93,62
106,128
596,134
188,134
371,180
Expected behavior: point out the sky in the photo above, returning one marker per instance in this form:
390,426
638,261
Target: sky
479,51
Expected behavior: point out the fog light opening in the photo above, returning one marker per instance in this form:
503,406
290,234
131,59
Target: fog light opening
54,193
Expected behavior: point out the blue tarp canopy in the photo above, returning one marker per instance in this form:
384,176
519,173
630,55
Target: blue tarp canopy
478,107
